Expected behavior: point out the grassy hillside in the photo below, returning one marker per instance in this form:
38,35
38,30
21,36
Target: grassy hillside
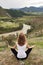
3,13
15,13
35,21
13,21
35,57
11,13
9,18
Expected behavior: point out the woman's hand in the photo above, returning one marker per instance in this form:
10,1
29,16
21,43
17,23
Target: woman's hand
28,46
32,46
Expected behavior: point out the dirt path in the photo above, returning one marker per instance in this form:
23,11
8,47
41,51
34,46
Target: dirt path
24,30
6,34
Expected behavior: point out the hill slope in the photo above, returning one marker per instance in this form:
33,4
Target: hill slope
19,12
11,13
15,13
3,13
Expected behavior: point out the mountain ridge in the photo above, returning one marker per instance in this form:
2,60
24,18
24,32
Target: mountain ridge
32,9
19,12
11,13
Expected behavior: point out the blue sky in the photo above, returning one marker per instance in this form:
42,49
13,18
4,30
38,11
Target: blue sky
20,3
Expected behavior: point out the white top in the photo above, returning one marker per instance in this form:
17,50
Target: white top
21,51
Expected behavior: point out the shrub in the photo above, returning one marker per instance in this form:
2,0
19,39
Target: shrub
5,30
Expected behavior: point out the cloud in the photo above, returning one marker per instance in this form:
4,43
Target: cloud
20,3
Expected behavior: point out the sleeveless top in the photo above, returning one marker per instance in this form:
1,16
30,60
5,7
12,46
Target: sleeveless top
21,51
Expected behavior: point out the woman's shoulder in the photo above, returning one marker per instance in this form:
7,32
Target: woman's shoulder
16,43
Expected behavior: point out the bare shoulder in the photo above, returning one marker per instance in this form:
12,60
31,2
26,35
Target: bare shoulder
27,45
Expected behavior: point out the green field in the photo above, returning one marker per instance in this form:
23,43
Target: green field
12,24
34,37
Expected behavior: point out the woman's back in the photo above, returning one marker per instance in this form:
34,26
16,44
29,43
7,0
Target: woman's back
21,51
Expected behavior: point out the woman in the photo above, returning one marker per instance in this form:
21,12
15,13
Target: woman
21,46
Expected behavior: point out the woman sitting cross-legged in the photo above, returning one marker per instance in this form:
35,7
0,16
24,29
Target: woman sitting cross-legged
21,46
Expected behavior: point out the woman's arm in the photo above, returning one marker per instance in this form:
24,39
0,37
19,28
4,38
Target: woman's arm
32,46
12,46
28,46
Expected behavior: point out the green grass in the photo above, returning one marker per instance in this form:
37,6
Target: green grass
9,27
38,44
35,57
35,21
8,24
38,41
2,48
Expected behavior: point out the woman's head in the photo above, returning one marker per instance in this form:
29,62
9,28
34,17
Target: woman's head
21,39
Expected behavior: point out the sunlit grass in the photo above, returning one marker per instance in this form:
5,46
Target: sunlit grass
2,48
38,41
8,24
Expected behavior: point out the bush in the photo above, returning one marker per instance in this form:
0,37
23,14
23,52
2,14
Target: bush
5,30
28,31
9,39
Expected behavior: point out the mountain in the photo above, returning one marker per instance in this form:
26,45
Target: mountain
3,12
15,13
11,12
32,9
19,12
